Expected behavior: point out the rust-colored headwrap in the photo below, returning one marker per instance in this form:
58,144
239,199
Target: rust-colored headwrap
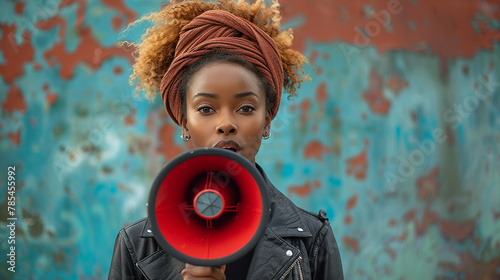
219,30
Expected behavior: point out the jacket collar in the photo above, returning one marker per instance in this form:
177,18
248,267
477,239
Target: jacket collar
285,219
273,255
147,230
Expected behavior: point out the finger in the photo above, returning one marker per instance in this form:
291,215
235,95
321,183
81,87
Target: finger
203,272
222,267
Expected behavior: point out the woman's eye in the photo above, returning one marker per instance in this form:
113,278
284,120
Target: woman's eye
247,109
205,110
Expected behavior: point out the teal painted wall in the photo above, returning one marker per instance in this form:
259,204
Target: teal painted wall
397,136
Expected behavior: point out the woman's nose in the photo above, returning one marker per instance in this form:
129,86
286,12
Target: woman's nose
227,125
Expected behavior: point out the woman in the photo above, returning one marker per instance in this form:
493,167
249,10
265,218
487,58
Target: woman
220,68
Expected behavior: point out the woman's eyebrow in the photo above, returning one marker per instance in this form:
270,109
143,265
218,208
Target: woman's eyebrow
244,94
205,94
215,96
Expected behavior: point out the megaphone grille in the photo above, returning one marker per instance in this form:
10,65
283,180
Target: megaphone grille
209,204
204,240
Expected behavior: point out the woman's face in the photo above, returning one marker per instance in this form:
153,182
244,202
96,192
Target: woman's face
226,108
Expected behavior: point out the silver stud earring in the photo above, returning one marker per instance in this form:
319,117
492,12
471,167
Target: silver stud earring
265,137
185,139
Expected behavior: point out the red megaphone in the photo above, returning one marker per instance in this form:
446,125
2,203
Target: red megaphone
208,207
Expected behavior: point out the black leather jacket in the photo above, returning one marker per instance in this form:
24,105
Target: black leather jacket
296,245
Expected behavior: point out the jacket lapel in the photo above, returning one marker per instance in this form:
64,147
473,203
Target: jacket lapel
273,255
271,258
159,265
285,219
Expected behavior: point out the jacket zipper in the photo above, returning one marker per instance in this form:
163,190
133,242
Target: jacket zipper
295,262
300,270
142,272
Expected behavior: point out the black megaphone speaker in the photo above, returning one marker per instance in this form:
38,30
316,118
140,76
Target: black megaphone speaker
208,207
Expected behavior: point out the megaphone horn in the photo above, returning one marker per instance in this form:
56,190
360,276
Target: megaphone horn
208,207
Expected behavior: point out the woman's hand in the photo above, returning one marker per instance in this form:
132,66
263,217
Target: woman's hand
192,272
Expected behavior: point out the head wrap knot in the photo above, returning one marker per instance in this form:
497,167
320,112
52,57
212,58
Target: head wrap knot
216,30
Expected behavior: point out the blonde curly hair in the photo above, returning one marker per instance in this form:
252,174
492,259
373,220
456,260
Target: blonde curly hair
155,51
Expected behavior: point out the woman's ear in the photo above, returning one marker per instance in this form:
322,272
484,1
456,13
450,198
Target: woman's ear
185,130
267,127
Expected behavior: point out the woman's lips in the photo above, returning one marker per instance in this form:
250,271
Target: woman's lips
228,145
